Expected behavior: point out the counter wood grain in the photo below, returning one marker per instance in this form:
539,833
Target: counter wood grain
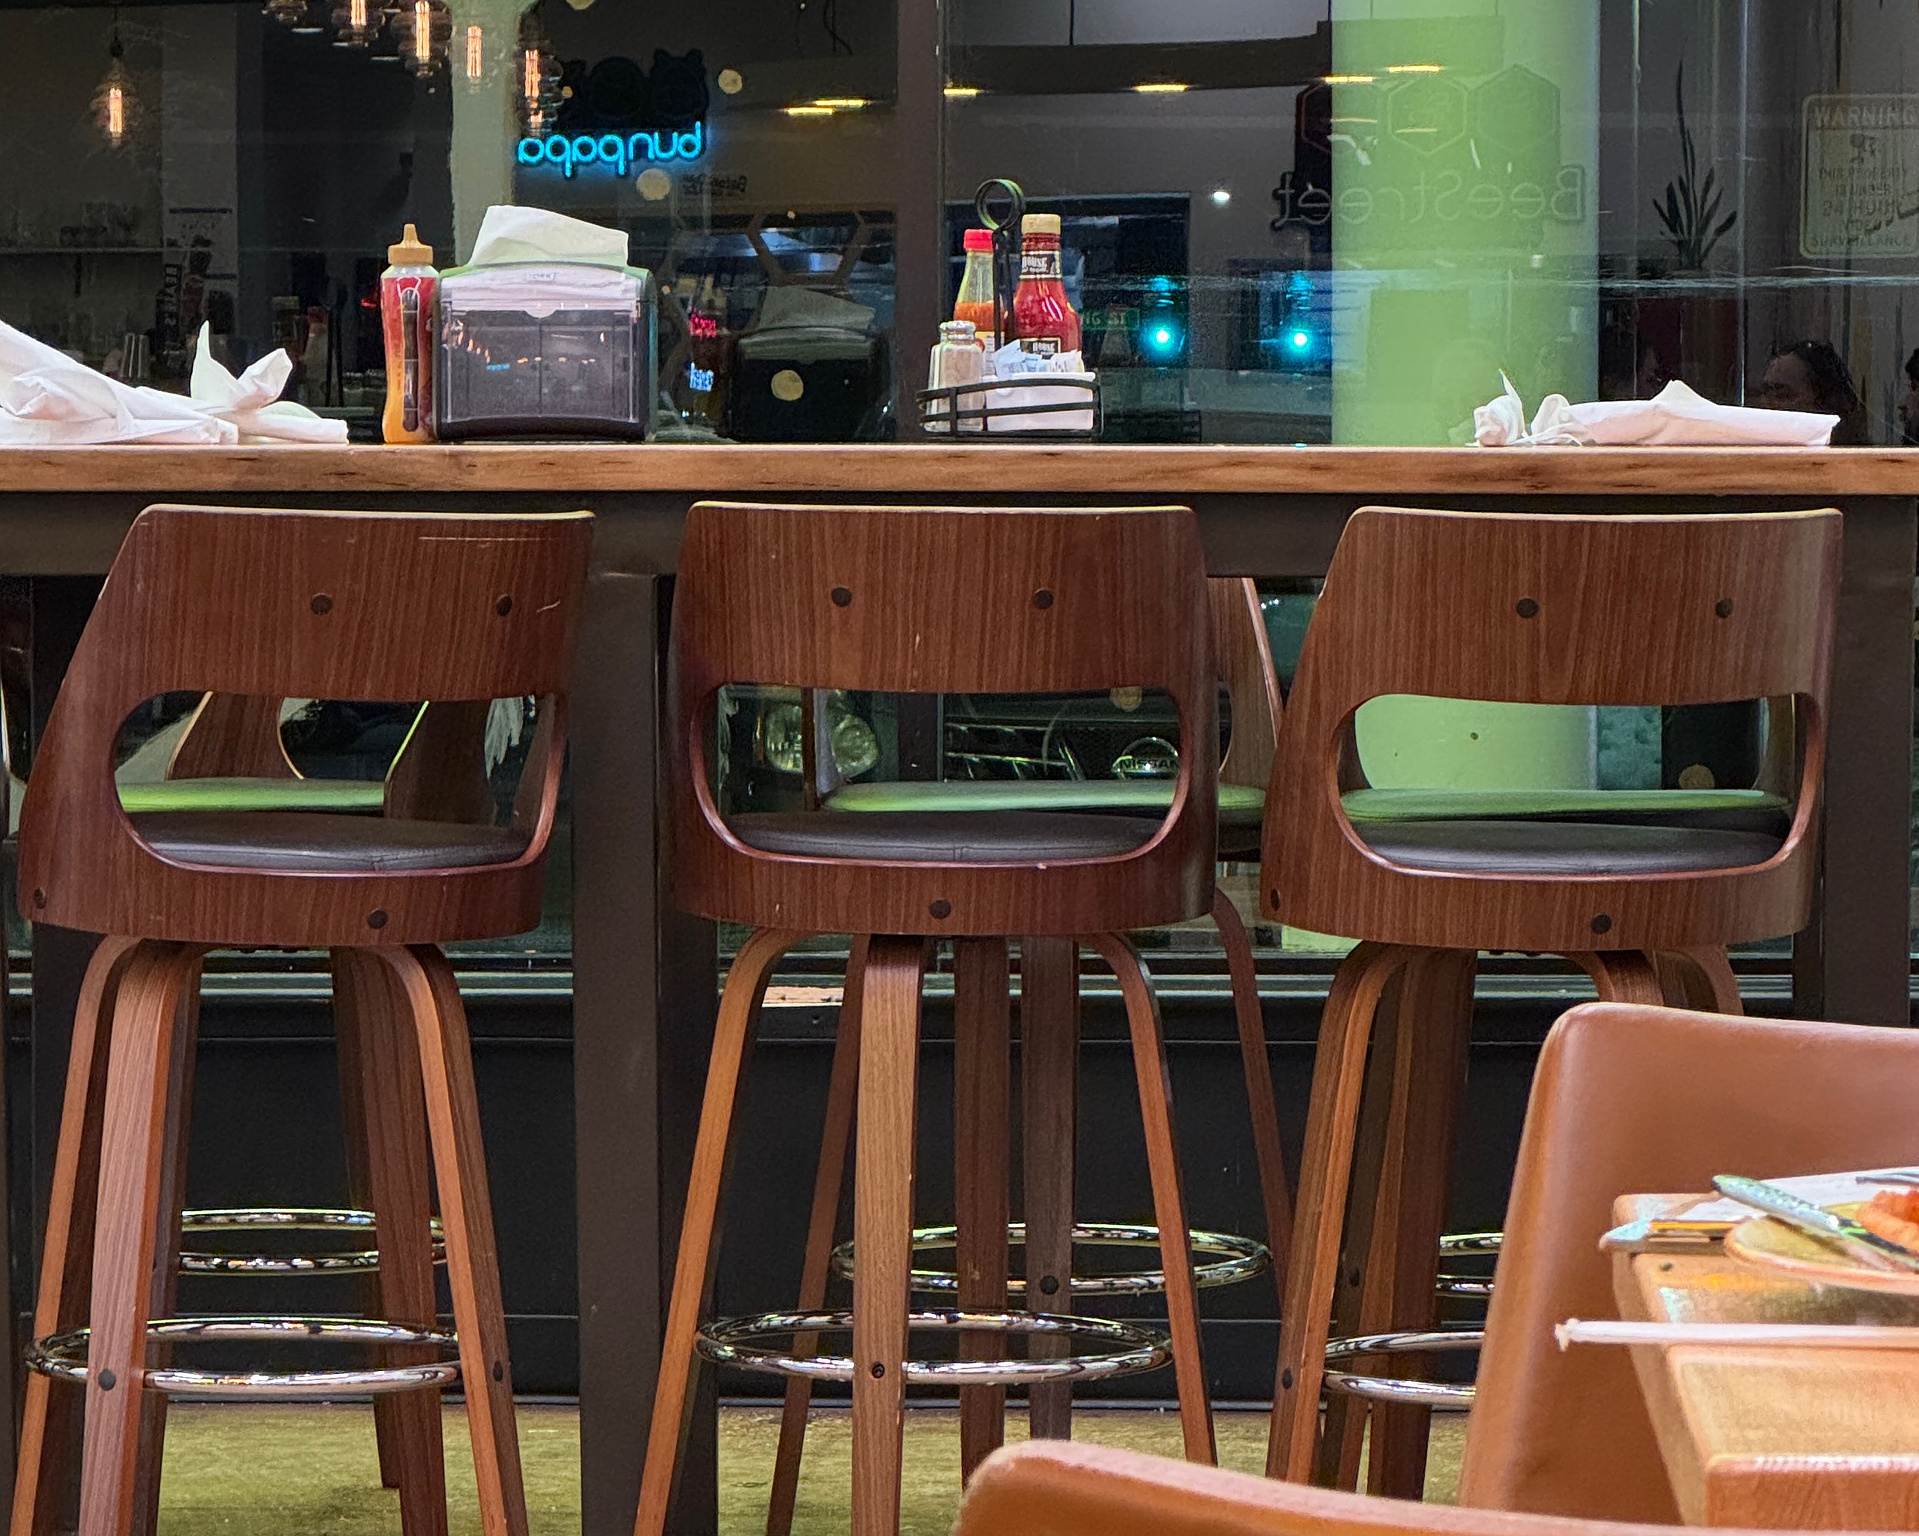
1764,1436
1062,469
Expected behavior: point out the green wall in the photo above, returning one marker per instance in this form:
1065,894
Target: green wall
1464,242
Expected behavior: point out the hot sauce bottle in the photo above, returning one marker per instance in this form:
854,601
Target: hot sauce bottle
408,288
1042,317
976,301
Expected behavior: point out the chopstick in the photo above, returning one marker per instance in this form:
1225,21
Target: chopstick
1778,1335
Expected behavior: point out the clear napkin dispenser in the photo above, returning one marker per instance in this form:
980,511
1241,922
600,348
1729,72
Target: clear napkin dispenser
546,349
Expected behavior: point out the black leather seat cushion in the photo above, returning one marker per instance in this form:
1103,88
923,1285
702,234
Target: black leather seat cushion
943,837
302,842
1562,847
1238,844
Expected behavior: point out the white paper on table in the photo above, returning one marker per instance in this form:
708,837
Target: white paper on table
539,288
1041,389
1675,417
1819,1188
1014,361
252,402
512,234
47,400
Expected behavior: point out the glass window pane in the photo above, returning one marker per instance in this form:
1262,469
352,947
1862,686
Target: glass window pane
177,165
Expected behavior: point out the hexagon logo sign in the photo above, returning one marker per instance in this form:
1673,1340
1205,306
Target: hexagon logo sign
1515,122
1427,113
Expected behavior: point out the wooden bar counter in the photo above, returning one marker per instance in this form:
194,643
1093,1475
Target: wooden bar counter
644,977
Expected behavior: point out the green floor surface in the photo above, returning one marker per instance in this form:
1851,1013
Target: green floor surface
312,1471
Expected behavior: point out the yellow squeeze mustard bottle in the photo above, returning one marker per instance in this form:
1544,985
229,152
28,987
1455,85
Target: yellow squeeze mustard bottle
408,289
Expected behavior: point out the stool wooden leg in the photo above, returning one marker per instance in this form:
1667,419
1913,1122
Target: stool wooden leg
829,1183
1325,1172
1169,1196
982,1085
1258,1067
50,1418
466,1212
351,976
1436,1019
1362,1289
133,1158
388,1172
1623,976
1049,1131
699,1227
163,1297
1700,979
882,1228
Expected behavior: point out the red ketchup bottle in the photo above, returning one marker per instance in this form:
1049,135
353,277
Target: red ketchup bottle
1042,318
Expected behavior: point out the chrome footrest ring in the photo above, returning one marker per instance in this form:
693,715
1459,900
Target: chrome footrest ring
1232,1259
336,1262
1467,1245
1129,1347
1447,1396
63,1356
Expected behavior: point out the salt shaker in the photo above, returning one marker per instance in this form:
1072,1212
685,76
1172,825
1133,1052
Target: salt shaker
957,360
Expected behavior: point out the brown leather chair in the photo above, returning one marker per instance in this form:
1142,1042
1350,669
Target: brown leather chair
1639,1100
928,600
1643,890
1048,1488
261,605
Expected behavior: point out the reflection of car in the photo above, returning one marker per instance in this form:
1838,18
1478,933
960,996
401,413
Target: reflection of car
1122,734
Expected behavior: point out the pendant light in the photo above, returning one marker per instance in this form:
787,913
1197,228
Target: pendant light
539,82
115,107
476,55
423,28
356,23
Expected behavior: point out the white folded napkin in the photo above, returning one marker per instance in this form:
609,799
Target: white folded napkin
511,233
1675,417
252,402
47,399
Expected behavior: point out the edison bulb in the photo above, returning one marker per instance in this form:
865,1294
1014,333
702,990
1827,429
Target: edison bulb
116,110
423,27
356,23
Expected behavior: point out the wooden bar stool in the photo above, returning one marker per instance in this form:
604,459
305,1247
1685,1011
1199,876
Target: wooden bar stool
929,600
1049,1043
228,755
1643,890
264,605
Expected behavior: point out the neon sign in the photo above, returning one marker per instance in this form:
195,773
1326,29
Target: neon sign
617,152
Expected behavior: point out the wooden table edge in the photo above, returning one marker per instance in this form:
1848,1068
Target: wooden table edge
1119,471
1671,1427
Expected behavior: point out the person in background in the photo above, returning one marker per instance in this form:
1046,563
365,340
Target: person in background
1811,376
1909,404
1630,367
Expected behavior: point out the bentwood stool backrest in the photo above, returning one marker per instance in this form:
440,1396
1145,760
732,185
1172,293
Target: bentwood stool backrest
282,604
1553,610
941,600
